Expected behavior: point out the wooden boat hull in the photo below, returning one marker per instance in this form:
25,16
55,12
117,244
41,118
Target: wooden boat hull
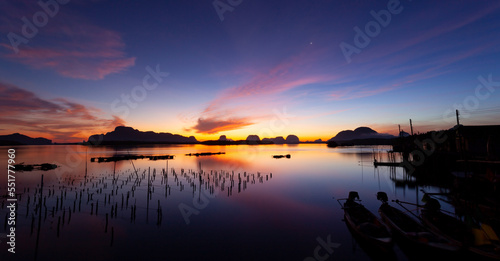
374,252
367,226
447,226
458,232
412,233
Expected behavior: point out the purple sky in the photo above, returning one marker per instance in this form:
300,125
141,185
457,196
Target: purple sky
271,68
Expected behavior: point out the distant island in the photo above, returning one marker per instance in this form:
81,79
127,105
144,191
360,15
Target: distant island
254,140
314,141
128,135
124,135
20,139
360,136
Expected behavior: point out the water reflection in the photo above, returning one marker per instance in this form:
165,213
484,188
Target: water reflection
241,205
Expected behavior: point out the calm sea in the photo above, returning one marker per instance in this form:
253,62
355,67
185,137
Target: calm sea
241,205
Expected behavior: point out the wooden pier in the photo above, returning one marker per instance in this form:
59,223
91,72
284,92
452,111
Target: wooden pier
130,157
205,154
390,164
30,167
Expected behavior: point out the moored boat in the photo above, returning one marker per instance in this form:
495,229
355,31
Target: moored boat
365,224
457,231
410,232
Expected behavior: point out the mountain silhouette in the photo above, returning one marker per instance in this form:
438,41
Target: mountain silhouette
361,133
292,139
253,138
278,140
20,139
123,134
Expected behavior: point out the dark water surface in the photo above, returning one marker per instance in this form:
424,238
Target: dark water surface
241,205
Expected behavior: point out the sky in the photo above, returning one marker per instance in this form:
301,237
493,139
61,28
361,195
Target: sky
73,68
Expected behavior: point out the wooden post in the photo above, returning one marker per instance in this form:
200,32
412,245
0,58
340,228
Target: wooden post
158,213
85,178
147,198
411,128
39,218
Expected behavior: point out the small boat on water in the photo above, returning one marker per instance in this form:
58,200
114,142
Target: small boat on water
364,223
205,154
281,156
30,167
457,231
410,232
130,157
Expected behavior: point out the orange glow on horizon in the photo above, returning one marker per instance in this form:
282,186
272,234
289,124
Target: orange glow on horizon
239,134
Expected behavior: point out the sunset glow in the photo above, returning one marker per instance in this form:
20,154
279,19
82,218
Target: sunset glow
270,69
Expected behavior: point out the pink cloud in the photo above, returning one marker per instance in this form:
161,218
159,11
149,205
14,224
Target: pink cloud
256,94
422,36
359,92
215,125
23,111
68,45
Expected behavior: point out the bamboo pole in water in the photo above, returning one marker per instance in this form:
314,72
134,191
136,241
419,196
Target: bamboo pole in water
39,219
147,199
64,216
